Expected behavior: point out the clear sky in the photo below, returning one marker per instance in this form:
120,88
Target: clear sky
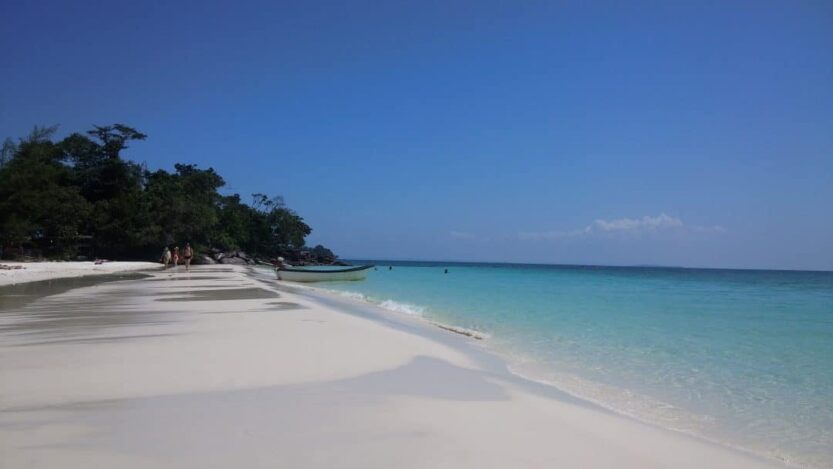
675,133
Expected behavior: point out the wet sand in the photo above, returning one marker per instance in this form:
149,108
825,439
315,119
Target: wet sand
24,272
224,368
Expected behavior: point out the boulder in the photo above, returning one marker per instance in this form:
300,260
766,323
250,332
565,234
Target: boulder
233,260
204,259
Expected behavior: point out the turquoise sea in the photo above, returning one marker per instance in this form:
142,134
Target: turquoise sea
741,357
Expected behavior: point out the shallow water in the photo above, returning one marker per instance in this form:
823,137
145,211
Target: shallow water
740,357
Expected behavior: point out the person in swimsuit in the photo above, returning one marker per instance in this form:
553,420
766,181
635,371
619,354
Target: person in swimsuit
176,256
187,254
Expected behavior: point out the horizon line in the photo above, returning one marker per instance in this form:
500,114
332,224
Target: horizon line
557,264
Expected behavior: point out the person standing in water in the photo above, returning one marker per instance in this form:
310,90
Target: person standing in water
176,256
187,254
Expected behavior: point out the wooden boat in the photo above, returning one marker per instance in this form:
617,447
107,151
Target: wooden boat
292,274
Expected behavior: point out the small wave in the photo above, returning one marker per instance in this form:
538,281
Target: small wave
403,307
390,305
350,294
419,311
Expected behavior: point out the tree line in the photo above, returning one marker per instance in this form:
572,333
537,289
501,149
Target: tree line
79,196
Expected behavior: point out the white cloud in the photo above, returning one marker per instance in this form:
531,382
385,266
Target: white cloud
631,227
645,224
461,235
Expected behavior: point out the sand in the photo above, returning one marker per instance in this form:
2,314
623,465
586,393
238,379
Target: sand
223,368
23,272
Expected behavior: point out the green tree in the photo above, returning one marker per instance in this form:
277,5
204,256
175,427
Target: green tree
277,230
114,138
235,223
186,204
51,193
39,204
120,215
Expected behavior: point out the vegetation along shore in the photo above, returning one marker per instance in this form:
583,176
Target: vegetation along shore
80,198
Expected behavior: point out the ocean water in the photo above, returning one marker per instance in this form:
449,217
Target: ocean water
744,358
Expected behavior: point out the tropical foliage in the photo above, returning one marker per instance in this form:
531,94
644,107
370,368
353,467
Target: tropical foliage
79,195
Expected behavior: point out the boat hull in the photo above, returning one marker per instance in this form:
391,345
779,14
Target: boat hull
311,275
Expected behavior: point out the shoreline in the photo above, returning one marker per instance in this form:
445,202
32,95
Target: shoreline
225,367
25,272
539,378
478,342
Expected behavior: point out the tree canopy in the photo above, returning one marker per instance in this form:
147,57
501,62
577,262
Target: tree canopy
79,195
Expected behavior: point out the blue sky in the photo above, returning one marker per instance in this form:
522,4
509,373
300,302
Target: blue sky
677,133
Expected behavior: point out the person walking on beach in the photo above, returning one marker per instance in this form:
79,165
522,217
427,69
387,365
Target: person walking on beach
187,254
166,256
176,256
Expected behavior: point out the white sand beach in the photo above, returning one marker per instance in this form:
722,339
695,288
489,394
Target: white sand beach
223,367
23,272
